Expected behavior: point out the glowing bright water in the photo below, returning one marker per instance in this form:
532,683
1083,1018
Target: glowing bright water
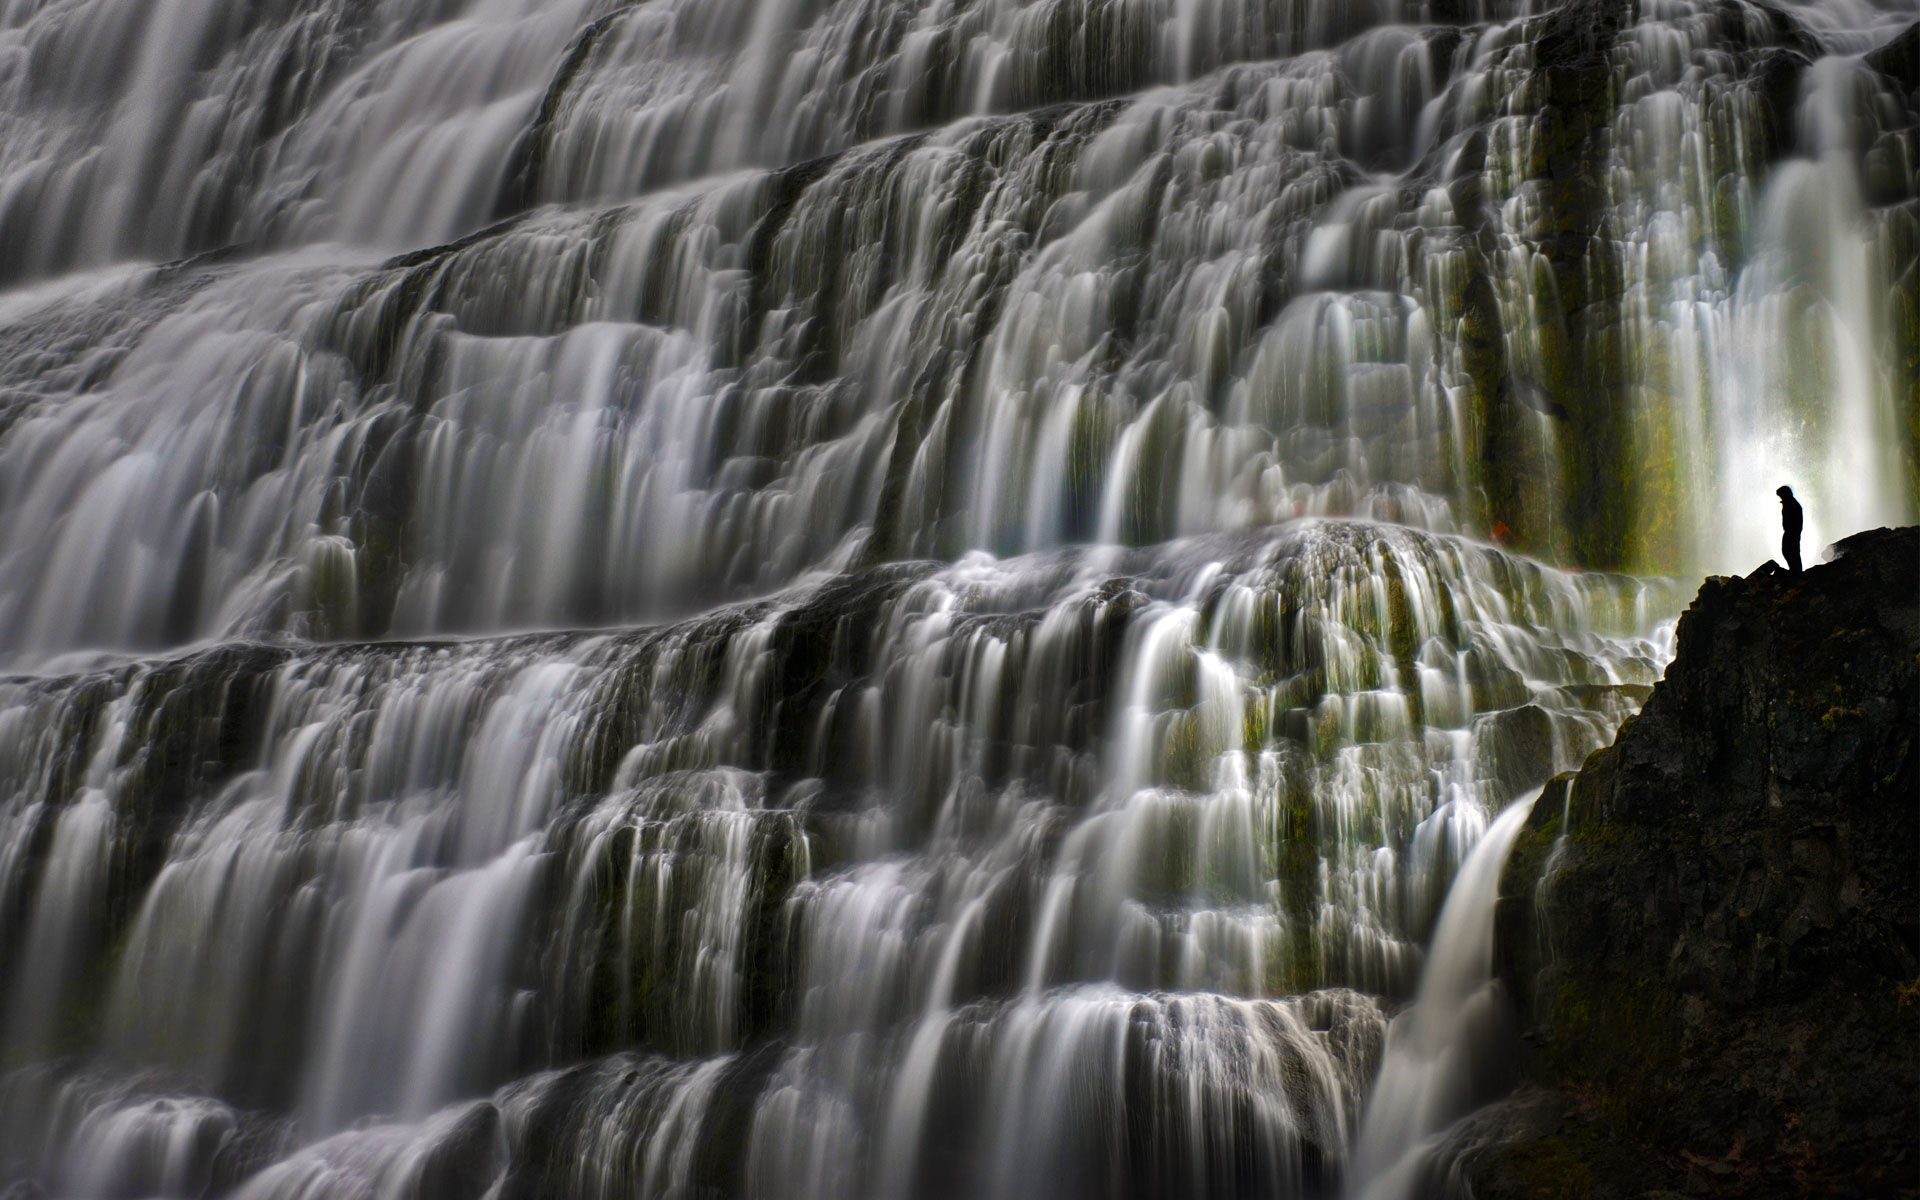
888,598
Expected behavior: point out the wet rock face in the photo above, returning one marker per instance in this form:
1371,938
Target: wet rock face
1720,973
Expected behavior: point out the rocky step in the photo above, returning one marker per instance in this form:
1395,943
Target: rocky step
1713,929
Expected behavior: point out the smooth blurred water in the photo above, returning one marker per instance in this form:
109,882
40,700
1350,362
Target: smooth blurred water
865,597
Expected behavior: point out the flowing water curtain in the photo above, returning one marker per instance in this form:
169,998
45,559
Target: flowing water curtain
1118,321
335,841
1091,869
457,457
1754,316
186,126
192,125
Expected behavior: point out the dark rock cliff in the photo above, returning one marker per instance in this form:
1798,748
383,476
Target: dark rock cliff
1720,974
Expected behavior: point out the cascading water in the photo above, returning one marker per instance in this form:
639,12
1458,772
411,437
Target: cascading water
1441,1050
970,571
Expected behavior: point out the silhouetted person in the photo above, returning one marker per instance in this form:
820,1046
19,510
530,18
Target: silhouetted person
1789,528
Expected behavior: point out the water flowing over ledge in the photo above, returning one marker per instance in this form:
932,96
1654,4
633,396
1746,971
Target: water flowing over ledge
1443,1051
891,820
1590,324
858,598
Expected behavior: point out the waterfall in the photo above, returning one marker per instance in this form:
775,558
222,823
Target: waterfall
1441,1052
882,598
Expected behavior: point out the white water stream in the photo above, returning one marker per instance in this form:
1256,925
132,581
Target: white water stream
1441,1052
885,598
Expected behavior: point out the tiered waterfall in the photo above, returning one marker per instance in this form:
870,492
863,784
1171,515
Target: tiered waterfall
807,599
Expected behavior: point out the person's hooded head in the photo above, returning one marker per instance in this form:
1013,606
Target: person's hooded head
1784,492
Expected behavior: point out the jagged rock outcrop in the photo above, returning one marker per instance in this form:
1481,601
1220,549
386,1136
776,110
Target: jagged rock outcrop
1713,929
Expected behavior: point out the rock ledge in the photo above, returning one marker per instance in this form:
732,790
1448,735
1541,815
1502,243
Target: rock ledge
1718,966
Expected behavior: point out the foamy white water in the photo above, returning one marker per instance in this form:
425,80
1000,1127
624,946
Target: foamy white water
866,598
